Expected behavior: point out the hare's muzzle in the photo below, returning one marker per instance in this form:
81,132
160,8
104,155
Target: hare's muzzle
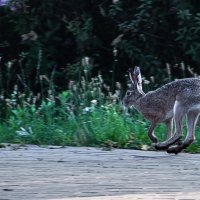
125,102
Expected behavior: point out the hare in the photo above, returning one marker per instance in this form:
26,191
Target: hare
167,104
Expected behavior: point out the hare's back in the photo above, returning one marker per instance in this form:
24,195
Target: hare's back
186,91
176,90
182,85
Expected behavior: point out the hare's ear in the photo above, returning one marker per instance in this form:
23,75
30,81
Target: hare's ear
135,75
132,76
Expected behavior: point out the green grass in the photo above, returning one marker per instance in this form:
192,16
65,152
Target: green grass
102,126
86,114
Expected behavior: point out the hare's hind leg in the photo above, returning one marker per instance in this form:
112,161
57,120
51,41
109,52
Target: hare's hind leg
179,112
169,126
192,118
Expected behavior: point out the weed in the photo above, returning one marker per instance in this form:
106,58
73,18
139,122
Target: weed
87,113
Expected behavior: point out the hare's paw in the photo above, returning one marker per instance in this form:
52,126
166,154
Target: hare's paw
175,149
154,140
160,146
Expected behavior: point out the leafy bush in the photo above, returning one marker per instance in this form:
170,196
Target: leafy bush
49,50
45,37
87,114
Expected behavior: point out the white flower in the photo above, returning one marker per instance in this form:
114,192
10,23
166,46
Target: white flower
24,132
94,102
85,61
86,109
9,64
115,1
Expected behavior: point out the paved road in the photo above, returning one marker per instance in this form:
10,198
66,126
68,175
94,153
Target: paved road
81,173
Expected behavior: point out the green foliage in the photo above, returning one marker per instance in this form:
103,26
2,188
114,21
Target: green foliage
49,50
87,114
187,34
40,37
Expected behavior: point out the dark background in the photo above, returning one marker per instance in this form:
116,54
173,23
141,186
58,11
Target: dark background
51,38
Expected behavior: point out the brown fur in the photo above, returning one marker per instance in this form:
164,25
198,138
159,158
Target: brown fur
169,103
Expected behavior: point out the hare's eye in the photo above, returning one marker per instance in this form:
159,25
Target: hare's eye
128,93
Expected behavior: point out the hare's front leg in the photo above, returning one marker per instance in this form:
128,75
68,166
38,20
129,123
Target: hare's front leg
169,127
151,135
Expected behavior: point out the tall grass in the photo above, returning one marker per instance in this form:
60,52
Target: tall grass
87,113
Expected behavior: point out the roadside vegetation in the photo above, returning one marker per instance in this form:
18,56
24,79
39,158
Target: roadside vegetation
87,113
63,67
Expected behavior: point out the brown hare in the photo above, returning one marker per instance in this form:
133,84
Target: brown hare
167,104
